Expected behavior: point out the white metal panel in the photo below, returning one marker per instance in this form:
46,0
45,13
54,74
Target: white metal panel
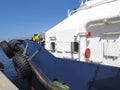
96,47
111,48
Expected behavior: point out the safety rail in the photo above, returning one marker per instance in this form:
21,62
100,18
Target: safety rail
85,5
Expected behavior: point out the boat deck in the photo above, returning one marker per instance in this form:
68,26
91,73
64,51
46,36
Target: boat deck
5,83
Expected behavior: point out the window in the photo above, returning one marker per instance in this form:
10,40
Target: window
52,46
74,46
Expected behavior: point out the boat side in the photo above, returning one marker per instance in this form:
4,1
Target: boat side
95,28
75,74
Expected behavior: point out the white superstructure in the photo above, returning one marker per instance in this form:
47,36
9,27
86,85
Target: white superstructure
91,33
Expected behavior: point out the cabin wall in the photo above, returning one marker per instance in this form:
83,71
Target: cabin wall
104,44
62,43
104,48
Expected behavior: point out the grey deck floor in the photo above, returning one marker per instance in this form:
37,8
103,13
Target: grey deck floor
5,83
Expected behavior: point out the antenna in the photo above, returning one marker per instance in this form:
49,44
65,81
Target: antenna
68,12
82,1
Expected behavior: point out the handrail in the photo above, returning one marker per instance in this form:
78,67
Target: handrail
84,6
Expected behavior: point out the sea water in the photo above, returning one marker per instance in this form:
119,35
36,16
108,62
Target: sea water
10,72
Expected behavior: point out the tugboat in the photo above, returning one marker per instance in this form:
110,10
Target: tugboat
87,59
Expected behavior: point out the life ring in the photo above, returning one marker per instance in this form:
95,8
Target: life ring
87,52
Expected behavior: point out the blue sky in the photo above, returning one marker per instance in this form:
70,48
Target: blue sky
23,18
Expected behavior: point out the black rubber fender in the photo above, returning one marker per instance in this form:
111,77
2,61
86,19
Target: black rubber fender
6,48
13,44
22,66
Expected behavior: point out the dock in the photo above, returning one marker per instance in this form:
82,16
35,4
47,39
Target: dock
5,83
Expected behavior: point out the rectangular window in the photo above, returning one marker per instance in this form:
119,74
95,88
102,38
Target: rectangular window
74,46
52,46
